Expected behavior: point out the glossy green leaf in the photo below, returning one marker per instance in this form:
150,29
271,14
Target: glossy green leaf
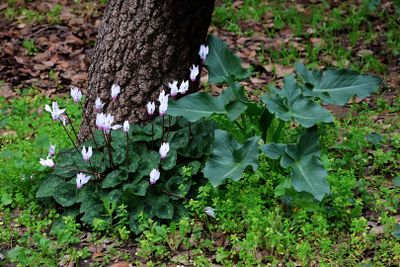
289,104
308,173
114,178
337,86
222,64
229,159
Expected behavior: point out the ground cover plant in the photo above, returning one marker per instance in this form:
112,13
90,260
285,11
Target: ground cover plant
273,212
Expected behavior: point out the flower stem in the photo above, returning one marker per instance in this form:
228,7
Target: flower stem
169,126
127,150
71,122
162,136
65,129
108,142
152,132
90,128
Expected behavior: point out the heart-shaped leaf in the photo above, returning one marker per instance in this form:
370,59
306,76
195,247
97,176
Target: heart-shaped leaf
308,173
289,104
222,64
229,159
336,86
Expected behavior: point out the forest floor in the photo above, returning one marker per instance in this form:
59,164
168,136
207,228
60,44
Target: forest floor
46,47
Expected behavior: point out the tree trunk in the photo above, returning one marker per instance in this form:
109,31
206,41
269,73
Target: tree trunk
141,46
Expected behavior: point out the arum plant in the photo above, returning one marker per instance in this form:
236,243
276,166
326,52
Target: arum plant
299,102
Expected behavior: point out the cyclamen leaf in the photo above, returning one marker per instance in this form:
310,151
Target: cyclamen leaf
222,64
289,104
336,86
229,159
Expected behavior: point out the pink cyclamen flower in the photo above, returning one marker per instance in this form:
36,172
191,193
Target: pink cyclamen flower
87,154
164,149
81,179
126,126
194,71
154,176
47,162
115,90
163,108
52,150
104,122
203,52
174,88
151,107
98,105
76,94
184,87
55,111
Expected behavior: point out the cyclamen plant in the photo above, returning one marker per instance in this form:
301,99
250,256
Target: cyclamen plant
149,169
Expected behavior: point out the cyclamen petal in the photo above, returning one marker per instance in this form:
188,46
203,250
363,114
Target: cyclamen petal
47,162
151,107
184,87
81,179
163,108
163,97
126,126
52,150
203,52
55,111
154,176
76,94
87,154
98,105
116,127
194,71
164,149
209,211
115,90
174,88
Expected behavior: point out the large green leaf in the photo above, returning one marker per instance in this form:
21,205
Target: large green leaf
289,103
196,106
229,159
308,173
222,64
336,86
202,105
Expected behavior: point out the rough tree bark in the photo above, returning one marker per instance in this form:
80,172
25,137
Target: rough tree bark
141,46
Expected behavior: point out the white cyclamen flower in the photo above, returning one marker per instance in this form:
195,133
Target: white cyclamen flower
203,52
115,90
63,119
164,150
81,179
55,110
174,88
209,211
98,105
163,108
104,122
154,176
76,94
151,107
184,87
194,71
47,162
163,97
126,126
86,154
52,150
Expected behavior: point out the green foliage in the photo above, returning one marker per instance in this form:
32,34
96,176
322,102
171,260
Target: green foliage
308,172
222,64
30,47
124,178
289,103
229,159
336,86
